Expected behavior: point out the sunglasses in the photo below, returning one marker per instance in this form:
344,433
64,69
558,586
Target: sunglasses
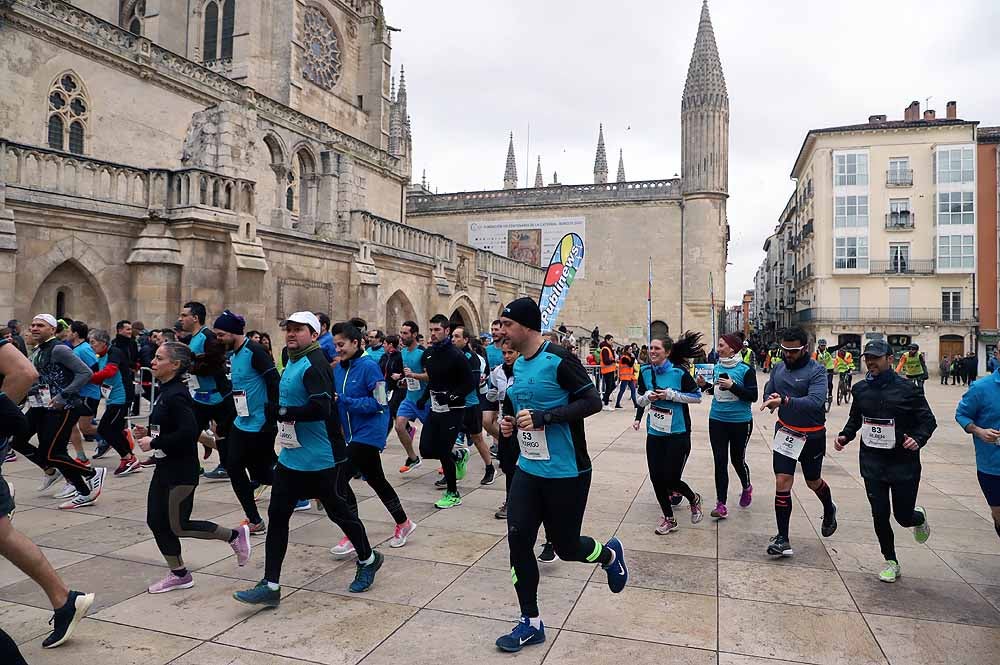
791,348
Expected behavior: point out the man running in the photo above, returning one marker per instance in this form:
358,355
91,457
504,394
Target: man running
979,414
90,394
414,382
112,366
494,359
798,389
551,395
895,422
472,422
912,365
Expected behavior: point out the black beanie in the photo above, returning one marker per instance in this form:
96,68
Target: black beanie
524,311
231,323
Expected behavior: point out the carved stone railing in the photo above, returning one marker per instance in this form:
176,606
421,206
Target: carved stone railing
494,264
382,233
195,187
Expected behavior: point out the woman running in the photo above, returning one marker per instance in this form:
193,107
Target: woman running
666,387
730,421
507,448
172,435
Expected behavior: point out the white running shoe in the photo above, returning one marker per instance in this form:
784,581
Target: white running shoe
66,492
97,482
343,548
48,481
403,531
79,501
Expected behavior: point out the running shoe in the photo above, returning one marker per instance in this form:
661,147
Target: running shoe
675,499
548,554
257,529
720,512
440,483
260,594
83,460
501,513
449,500
11,457
365,575
343,548
667,524
260,492
608,407
617,570
149,461
524,634
171,582
10,488
829,526
922,532
746,496
67,491
97,482
128,465
102,450
696,512
79,501
218,473
779,546
890,572
409,465
462,464
403,531
65,619
304,504
440,470
242,545
48,481
490,476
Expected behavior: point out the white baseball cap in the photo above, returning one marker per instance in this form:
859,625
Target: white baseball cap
305,318
47,318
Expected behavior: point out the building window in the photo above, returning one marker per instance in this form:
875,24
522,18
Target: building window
131,15
951,304
851,169
956,252
956,208
290,188
899,171
956,165
321,56
218,35
899,256
850,212
851,253
60,304
68,113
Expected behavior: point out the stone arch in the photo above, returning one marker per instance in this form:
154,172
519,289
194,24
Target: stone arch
659,330
464,310
90,265
72,288
398,308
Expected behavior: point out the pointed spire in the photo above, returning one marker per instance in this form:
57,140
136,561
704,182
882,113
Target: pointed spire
423,179
401,93
510,173
621,166
395,122
601,160
555,178
392,91
705,83
538,174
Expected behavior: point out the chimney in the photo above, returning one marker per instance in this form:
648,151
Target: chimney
929,114
912,111
872,119
952,112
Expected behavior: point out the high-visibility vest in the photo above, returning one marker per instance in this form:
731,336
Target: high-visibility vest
825,358
845,364
626,371
911,364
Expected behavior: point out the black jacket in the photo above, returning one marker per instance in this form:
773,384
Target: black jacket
900,400
173,413
450,378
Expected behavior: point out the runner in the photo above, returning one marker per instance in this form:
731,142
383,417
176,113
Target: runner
310,464
414,381
376,345
551,396
111,363
507,451
251,457
172,435
472,421
730,421
90,394
666,387
364,413
895,422
797,388
979,414
494,359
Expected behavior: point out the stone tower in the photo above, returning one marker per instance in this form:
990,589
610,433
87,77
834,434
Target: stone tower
510,173
601,160
621,166
704,180
538,174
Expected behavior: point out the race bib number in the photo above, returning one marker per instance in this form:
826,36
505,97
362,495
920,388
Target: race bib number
533,444
725,395
193,384
661,419
379,393
240,399
105,391
154,431
879,433
287,436
788,443
437,406
412,384
42,399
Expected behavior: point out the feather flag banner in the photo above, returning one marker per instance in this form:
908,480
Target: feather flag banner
566,261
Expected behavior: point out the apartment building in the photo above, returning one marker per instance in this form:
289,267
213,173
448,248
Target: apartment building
988,223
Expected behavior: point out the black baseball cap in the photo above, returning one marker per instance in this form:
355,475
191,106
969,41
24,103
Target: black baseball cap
877,347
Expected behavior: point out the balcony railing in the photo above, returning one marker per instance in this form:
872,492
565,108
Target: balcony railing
900,315
902,266
899,178
899,221
807,229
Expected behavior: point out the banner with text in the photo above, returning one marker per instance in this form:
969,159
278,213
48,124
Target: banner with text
567,258
528,240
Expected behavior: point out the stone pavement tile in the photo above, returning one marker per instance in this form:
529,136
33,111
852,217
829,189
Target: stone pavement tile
420,642
954,602
759,518
24,623
401,581
302,564
373,510
201,612
917,562
572,648
909,641
990,593
788,585
974,568
498,558
639,614
217,654
112,580
421,492
204,509
960,519
947,539
11,574
489,497
790,632
196,553
40,521
689,539
739,659
448,545
489,593
100,536
322,627
977,504
671,572
324,533
752,546
108,644
236,516
643,513
113,503
468,518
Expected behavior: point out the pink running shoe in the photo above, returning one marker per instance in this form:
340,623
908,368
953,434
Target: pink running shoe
667,524
403,532
746,497
171,582
242,545
720,512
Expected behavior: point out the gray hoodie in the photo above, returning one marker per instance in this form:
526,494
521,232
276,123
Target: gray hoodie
806,389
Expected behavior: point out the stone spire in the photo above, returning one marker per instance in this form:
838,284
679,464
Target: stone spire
395,123
621,166
538,174
510,174
705,116
601,160
555,178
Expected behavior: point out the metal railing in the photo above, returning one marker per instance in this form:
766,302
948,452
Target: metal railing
899,220
910,315
899,178
901,266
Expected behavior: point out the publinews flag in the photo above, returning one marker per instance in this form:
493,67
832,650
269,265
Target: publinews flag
566,261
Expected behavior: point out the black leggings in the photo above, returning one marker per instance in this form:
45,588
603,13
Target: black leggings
904,498
559,504
250,457
53,429
729,440
112,429
332,487
507,454
367,460
9,653
609,386
168,514
437,438
666,457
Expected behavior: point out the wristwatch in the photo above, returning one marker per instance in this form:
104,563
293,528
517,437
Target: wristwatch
282,411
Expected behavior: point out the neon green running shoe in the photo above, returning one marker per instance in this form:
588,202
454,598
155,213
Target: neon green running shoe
449,500
890,572
922,532
461,465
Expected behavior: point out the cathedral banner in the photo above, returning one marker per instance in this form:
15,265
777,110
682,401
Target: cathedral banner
566,261
528,240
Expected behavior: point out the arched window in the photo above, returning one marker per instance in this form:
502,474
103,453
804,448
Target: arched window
131,15
60,304
658,330
304,168
321,55
68,114
218,34
290,187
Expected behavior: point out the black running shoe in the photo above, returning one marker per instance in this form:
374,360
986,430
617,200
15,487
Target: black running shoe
441,483
675,499
548,554
779,546
65,619
490,476
829,522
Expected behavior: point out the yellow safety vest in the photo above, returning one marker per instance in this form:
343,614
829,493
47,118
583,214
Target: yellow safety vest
912,366
825,358
845,364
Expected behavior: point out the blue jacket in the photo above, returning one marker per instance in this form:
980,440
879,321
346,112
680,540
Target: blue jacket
361,401
981,405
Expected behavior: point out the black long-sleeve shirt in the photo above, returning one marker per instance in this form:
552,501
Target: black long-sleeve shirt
449,376
173,417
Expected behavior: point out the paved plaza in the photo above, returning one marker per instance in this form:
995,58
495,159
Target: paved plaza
702,595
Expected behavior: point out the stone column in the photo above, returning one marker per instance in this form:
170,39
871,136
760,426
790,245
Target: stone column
248,268
8,256
155,264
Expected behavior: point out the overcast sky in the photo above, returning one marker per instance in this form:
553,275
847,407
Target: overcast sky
479,69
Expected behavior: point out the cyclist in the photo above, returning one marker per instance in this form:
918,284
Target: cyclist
912,366
843,365
823,356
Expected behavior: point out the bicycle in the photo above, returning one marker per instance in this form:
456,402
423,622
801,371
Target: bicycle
844,388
